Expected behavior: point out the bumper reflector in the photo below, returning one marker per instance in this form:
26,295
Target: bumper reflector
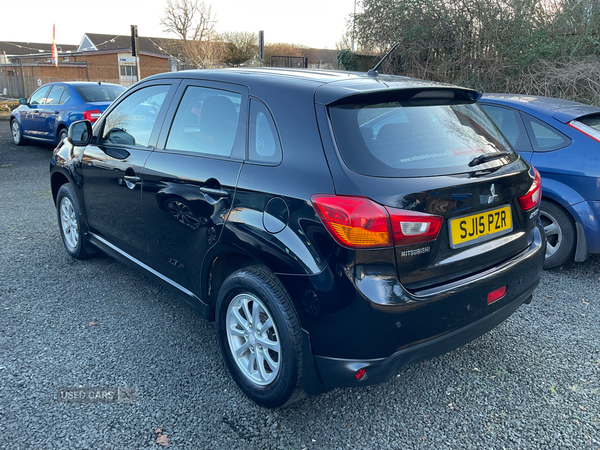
496,295
360,373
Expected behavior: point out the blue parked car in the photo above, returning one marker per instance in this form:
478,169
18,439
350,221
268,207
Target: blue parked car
561,139
48,112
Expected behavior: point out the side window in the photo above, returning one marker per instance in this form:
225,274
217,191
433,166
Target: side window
37,98
264,145
132,121
544,137
206,121
55,95
64,97
510,124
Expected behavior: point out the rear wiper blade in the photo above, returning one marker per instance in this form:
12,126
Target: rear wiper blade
487,157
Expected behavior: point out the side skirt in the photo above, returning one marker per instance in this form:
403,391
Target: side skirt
111,250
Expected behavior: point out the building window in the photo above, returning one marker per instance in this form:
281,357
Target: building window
128,71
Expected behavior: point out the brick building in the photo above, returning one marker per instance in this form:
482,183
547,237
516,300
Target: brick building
99,57
102,57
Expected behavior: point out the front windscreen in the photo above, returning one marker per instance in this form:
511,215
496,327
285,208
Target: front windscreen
392,140
99,92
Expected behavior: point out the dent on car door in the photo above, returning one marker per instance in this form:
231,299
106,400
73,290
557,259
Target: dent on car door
112,168
189,185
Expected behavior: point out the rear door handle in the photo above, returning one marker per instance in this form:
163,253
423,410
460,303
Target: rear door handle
221,193
132,179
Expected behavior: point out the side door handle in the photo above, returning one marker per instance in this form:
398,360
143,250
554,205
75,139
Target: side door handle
213,196
131,180
220,193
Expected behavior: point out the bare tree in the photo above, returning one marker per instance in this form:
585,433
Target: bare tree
241,46
189,19
194,23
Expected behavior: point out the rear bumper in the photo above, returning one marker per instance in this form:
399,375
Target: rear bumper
335,372
521,274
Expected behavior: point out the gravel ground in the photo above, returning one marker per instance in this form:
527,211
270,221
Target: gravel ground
532,383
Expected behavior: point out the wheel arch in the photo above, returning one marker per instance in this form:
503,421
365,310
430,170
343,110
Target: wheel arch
560,193
61,126
223,265
15,119
57,180
577,208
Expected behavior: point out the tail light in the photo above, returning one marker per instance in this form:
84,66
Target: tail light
410,227
534,194
585,129
358,222
92,115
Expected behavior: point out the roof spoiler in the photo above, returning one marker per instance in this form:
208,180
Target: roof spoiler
414,96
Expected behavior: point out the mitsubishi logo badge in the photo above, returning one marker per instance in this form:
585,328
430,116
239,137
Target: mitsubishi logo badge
493,197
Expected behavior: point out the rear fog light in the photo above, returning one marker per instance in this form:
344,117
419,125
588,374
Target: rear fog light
496,295
360,373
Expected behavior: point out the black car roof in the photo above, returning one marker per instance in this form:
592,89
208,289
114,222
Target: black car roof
330,85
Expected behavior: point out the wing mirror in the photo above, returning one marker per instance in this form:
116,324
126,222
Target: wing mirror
80,133
23,101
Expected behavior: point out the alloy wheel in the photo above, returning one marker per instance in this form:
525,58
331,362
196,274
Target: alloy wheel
68,221
553,231
253,339
16,132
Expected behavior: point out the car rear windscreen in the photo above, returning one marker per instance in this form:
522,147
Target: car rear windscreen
392,140
99,92
593,121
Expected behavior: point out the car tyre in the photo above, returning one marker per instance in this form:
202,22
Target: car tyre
70,225
259,335
15,130
560,234
62,135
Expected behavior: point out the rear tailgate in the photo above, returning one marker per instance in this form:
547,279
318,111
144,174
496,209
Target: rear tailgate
413,155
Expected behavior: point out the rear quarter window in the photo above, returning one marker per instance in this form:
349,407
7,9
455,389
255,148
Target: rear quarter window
263,145
544,138
392,140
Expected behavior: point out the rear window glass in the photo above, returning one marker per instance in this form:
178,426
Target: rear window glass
99,92
392,140
592,121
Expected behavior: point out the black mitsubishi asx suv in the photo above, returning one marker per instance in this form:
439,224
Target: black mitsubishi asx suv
336,226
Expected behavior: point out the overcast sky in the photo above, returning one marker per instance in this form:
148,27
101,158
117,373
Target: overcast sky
315,23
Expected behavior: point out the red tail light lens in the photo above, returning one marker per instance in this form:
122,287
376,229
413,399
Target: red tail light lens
355,222
358,222
534,194
410,227
92,115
